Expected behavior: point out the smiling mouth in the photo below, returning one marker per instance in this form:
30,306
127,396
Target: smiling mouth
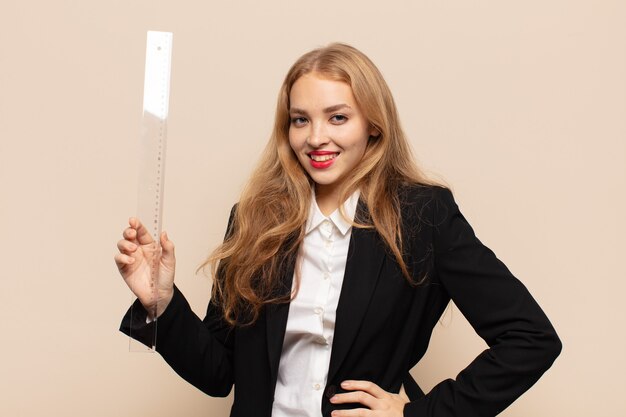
323,158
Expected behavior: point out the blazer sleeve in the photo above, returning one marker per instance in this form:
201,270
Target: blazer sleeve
200,351
522,342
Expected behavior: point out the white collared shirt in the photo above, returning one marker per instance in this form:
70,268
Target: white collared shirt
304,360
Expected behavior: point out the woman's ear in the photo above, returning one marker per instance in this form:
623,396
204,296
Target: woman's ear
374,133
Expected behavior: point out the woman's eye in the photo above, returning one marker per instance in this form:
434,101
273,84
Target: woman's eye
298,121
339,118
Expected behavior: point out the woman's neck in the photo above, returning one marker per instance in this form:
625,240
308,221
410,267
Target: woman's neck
327,198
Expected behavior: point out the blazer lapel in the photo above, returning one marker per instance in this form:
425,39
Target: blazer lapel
365,258
276,322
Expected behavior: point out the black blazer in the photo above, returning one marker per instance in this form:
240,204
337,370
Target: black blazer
383,324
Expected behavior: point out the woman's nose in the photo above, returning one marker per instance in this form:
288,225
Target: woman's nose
317,136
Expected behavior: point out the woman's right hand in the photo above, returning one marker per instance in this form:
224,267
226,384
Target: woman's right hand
137,254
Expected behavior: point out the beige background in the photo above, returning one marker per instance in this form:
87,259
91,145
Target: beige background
520,106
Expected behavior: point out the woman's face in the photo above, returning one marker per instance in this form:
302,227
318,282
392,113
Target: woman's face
328,133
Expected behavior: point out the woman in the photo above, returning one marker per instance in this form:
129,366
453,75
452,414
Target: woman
338,261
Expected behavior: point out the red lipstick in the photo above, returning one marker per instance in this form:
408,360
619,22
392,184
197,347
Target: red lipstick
324,163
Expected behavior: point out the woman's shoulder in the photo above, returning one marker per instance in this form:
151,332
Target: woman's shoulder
423,193
425,203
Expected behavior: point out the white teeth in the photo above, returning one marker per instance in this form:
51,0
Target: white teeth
323,158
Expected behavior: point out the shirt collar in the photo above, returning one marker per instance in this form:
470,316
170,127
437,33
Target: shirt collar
316,217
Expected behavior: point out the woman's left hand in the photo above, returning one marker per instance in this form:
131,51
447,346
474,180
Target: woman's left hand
379,402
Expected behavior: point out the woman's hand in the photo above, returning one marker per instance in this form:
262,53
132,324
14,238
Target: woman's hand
137,254
380,402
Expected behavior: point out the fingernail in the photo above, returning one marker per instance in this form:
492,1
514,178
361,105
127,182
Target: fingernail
345,384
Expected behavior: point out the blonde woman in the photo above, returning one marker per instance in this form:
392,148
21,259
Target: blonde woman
339,259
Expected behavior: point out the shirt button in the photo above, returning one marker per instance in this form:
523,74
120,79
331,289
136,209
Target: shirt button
317,387
327,244
322,340
318,310
326,275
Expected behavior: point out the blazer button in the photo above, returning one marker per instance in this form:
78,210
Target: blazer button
330,391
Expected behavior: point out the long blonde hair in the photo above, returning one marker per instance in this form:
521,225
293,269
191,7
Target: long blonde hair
267,227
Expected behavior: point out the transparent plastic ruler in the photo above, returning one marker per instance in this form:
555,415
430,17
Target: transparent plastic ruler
156,92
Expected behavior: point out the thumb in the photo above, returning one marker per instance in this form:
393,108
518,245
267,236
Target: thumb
168,249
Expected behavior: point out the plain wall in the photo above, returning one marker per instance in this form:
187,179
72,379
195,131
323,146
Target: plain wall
519,106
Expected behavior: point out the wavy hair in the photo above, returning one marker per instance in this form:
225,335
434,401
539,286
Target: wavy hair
267,226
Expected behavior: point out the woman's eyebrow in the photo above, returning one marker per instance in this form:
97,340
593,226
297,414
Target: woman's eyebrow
336,107
295,110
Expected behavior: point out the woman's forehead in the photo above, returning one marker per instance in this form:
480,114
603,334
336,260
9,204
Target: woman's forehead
314,91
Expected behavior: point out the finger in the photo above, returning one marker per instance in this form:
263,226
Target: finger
129,233
403,394
126,247
167,245
122,260
142,236
355,412
366,386
360,397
